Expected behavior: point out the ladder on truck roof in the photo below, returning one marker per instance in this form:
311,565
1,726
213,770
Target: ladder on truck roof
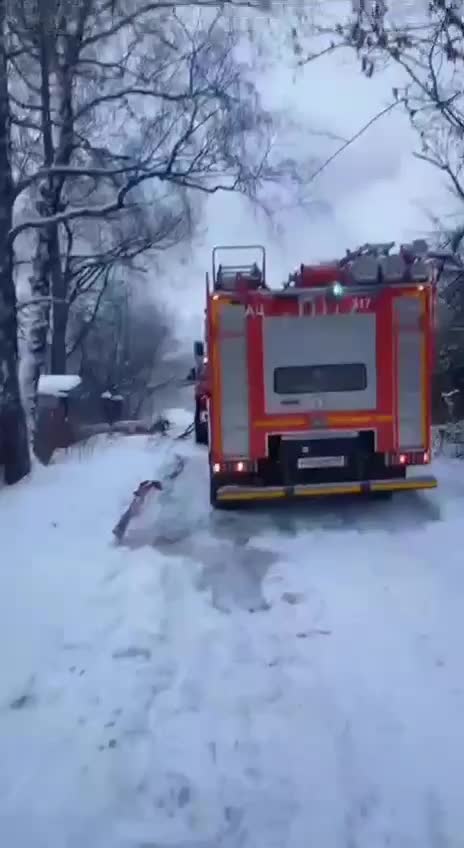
229,277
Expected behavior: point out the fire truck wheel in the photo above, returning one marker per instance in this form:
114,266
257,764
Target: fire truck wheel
201,427
201,432
212,493
213,486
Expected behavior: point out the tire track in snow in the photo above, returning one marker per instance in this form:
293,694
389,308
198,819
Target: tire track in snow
215,754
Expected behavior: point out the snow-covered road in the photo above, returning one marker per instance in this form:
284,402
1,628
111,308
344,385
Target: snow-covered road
282,678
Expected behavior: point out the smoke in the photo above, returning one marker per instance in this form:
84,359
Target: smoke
374,190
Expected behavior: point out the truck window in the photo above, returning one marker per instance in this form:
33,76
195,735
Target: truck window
315,379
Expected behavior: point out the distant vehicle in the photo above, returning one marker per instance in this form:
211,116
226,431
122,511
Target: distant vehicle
322,386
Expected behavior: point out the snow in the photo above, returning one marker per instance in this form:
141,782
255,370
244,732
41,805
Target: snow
110,396
274,678
179,417
58,385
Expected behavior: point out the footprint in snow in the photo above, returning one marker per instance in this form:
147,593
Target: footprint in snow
293,598
132,652
24,701
176,795
235,576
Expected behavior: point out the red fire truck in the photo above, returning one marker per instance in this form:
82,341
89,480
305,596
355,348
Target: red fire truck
322,386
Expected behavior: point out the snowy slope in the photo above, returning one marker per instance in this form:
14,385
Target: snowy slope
275,679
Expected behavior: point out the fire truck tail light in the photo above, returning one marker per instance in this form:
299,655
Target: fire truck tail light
420,457
238,466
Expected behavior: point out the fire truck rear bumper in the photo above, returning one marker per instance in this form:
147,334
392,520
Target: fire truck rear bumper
273,493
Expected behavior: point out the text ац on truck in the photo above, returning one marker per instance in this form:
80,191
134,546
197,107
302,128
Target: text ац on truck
322,386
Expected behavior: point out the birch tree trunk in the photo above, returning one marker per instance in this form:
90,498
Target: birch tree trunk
14,445
38,326
49,310
48,283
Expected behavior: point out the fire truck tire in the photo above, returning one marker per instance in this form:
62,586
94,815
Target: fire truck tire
201,432
201,428
213,498
212,493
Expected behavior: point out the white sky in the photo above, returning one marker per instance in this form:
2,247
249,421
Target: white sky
375,190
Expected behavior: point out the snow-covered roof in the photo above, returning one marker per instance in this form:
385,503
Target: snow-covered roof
58,385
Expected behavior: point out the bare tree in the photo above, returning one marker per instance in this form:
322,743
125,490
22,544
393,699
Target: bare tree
121,113
426,41
183,116
14,449
121,349
119,250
